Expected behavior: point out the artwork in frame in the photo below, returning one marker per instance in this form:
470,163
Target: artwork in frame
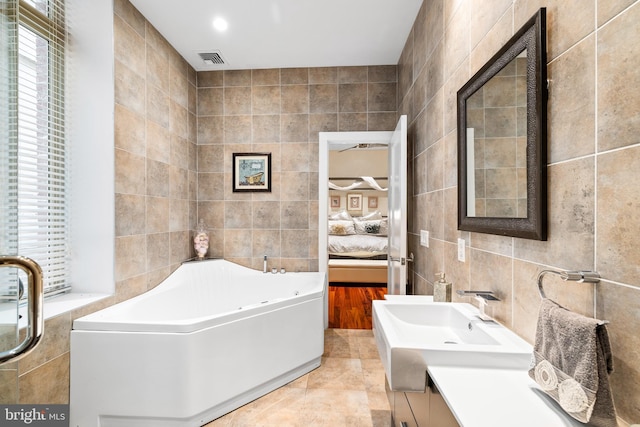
335,201
373,202
251,172
354,202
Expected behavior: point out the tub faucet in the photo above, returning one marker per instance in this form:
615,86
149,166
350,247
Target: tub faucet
483,298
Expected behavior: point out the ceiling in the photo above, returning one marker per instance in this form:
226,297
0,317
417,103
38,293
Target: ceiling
284,33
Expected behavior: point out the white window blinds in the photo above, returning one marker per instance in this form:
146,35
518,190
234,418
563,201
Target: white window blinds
36,152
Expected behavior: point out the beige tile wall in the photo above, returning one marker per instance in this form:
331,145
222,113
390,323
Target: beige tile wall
155,154
279,111
593,164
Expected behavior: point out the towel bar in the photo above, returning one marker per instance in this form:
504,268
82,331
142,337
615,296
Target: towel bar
574,276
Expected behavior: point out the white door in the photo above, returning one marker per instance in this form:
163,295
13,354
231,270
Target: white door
397,259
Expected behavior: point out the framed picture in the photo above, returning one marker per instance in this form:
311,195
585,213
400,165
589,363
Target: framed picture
335,201
354,202
251,172
373,202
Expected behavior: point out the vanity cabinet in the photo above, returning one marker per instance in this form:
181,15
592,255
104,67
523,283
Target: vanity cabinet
415,409
402,414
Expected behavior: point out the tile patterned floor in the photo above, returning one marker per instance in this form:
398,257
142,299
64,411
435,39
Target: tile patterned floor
346,390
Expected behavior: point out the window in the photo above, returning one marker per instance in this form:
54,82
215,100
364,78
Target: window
34,159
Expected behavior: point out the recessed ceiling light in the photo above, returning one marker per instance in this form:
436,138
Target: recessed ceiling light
220,24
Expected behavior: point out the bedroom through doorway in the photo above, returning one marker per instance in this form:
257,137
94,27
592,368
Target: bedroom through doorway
357,226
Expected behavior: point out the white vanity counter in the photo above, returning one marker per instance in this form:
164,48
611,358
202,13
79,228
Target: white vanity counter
482,397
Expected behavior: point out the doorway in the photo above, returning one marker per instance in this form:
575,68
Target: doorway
396,141
353,179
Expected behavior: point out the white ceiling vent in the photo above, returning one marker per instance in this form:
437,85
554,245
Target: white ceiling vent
212,58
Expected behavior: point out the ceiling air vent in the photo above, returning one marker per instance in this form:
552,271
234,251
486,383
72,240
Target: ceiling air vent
211,58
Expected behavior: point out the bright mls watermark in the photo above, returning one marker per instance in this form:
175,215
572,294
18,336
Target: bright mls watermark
34,415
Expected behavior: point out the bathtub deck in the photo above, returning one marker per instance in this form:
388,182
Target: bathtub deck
350,382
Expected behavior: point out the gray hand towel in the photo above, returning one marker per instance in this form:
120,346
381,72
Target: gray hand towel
572,361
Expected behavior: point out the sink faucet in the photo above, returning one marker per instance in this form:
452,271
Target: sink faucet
483,298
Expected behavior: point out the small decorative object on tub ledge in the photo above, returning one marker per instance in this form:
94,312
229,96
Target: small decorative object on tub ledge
201,240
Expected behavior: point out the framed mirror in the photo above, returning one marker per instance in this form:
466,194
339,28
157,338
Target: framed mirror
502,128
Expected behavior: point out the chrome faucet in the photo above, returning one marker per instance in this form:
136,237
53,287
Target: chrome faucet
483,298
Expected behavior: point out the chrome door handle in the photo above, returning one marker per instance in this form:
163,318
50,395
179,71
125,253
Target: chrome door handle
34,305
402,260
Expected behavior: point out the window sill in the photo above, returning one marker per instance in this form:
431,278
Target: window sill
64,303
60,304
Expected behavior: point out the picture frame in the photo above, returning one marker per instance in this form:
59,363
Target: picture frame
373,202
251,172
335,201
354,202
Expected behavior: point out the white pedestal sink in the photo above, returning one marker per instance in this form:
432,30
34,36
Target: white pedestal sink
413,335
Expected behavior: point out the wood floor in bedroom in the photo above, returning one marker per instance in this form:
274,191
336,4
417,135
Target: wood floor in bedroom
350,305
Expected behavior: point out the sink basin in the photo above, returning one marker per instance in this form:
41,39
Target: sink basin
437,324
411,336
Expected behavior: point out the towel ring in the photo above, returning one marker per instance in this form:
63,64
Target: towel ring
574,276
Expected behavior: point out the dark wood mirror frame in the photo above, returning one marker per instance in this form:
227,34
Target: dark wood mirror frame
532,37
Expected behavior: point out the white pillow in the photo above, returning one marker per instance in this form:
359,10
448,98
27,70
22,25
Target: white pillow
342,215
341,228
376,226
371,215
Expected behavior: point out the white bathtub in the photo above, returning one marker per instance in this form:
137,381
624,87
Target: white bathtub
210,338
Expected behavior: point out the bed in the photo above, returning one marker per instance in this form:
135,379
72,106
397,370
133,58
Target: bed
357,246
357,249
